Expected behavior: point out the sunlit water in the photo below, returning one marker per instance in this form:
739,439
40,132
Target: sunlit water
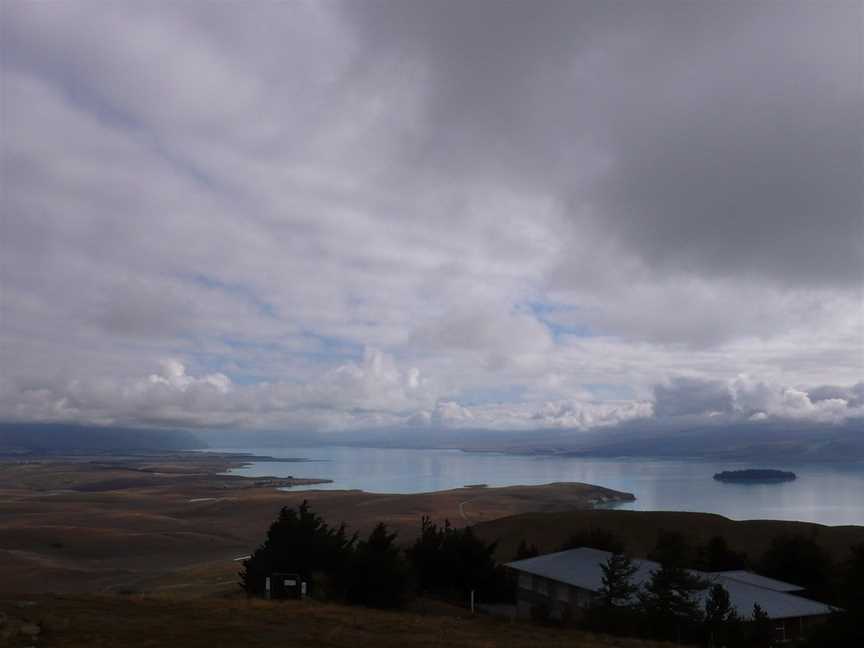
827,494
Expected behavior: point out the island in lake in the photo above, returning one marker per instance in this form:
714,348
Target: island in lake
755,475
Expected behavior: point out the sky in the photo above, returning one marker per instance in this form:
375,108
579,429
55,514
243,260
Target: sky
414,215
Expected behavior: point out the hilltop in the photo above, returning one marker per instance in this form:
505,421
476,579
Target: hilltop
639,529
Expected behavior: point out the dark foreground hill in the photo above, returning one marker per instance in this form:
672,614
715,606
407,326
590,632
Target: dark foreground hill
138,622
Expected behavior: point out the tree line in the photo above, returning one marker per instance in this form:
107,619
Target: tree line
374,571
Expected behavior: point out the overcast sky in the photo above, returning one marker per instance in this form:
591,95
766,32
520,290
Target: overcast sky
482,213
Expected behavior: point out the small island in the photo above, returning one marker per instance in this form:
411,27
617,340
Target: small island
755,476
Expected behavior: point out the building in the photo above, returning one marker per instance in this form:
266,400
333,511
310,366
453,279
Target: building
566,581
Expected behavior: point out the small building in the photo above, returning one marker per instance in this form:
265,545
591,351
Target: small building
566,581
285,586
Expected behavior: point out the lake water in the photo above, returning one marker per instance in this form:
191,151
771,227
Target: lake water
827,494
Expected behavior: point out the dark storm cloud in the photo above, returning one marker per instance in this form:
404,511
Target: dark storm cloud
708,138
689,396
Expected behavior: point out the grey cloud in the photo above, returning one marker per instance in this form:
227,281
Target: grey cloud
709,138
746,398
263,193
687,396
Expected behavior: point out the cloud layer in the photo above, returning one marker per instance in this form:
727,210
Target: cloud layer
339,215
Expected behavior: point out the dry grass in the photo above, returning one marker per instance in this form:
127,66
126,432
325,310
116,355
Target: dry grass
639,530
135,622
79,526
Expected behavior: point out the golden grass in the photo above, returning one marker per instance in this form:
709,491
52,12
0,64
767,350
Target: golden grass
146,622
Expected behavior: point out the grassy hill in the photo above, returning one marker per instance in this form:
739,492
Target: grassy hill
639,530
138,622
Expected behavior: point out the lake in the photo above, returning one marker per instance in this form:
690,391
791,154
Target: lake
827,494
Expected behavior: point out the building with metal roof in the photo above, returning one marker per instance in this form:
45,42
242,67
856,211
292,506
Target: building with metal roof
568,580
758,580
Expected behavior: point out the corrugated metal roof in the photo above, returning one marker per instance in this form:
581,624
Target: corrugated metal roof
760,581
581,568
578,567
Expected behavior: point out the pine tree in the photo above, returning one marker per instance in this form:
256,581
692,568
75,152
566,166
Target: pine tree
618,589
720,618
613,611
525,551
299,542
801,560
716,555
761,630
669,602
377,575
449,560
672,549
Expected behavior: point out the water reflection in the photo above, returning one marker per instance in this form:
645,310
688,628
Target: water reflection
825,494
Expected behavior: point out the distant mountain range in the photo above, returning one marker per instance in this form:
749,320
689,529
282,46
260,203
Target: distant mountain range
763,441
774,442
56,438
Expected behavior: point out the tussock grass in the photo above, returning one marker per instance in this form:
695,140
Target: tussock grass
146,622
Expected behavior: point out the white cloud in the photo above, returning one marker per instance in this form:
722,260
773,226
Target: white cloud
320,233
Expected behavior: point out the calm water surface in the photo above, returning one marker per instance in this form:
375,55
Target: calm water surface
828,494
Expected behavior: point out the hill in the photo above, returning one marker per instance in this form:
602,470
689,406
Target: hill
145,522
640,529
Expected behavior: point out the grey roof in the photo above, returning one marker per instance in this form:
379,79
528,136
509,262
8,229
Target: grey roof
578,567
759,581
581,568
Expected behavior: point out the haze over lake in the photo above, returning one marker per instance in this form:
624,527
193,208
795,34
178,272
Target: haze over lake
827,494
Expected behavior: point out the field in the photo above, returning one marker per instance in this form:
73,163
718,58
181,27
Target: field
139,622
173,523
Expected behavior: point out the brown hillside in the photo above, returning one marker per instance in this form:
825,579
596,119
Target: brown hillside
82,526
639,529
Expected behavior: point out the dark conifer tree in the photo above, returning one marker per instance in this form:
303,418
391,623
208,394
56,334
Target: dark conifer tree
453,561
618,589
299,542
669,603
672,549
800,560
614,609
376,574
761,628
525,551
716,555
721,621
